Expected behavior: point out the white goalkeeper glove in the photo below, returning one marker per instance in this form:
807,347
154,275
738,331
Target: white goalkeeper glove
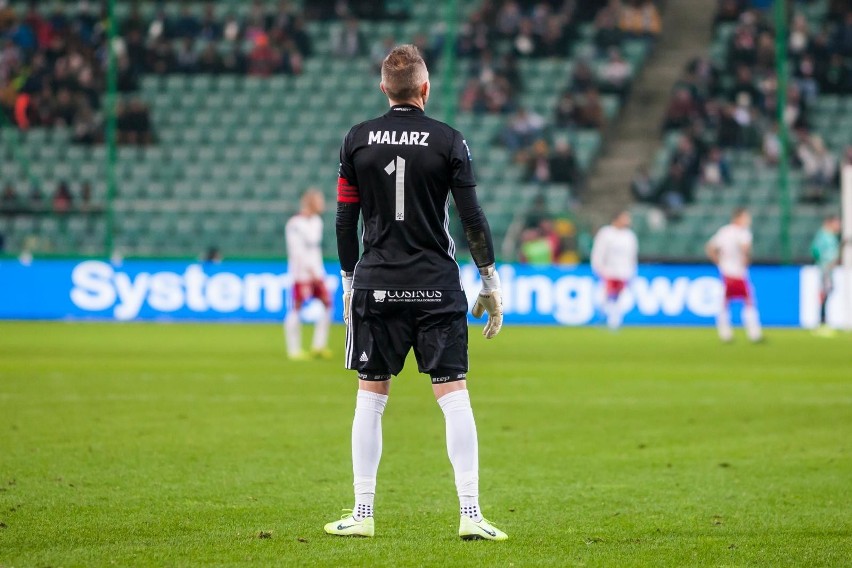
489,300
346,278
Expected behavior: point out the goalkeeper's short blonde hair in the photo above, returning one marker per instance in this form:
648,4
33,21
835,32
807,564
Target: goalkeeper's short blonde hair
403,73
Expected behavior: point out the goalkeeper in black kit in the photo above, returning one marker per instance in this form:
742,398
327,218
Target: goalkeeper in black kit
397,172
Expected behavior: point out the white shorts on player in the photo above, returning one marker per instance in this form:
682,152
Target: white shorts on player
730,251
614,260
306,269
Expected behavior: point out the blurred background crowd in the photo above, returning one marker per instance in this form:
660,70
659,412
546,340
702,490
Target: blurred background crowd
53,75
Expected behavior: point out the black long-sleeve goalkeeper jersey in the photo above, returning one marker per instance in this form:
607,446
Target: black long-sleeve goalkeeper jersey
399,170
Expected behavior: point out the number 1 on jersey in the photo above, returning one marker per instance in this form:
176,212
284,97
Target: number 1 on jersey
399,168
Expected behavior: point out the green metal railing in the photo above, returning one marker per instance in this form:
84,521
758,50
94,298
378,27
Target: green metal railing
111,130
449,100
782,71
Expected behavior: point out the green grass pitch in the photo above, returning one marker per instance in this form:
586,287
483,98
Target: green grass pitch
187,445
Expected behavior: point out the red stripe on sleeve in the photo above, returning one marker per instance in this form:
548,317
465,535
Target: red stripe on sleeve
346,192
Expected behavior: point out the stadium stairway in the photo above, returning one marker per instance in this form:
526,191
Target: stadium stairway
687,31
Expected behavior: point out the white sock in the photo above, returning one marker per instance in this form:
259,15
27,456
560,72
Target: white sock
463,450
321,330
293,332
723,324
366,449
751,322
613,314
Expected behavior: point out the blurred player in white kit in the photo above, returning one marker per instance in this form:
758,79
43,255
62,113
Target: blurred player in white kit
305,266
614,260
730,251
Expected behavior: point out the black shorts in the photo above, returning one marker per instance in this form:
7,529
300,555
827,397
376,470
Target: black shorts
385,324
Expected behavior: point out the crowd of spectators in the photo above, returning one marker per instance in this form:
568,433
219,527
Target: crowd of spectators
546,159
557,165
62,201
547,237
734,105
263,43
53,62
498,34
52,73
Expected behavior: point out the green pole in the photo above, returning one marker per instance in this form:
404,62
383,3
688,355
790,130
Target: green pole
448,93
111,133
781,70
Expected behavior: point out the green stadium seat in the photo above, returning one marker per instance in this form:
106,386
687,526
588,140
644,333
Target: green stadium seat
228,84
247,172
610,104
635,51
201,83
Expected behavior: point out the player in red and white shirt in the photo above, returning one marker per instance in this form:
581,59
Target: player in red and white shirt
305,265
730,250
614,260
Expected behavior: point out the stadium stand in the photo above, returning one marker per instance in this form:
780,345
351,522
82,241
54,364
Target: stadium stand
721,145
230,109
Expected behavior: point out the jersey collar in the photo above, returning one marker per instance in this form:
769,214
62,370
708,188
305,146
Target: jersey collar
404,110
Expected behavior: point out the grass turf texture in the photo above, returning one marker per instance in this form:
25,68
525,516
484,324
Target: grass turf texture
200,444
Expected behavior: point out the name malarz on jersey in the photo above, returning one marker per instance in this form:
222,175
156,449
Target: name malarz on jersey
395,138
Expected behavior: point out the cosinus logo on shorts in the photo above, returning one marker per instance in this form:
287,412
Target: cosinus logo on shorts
408,295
